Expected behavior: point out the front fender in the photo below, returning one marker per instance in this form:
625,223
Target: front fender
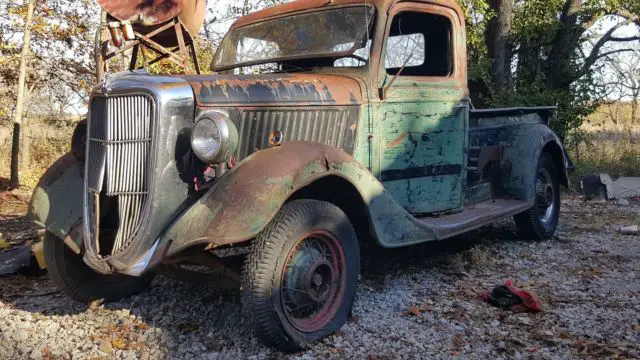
526,144
243,201
56,203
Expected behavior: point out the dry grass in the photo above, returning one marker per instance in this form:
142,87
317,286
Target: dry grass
47,142
607,146
478,257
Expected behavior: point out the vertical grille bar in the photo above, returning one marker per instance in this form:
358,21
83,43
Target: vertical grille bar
327,126
119,151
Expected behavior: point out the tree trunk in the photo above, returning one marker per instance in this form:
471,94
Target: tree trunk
564,44
17,121
497,40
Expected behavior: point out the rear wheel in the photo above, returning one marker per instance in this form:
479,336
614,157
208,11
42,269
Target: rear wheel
78,281
300,279
540,222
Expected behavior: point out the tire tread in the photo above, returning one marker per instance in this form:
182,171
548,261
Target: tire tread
259,278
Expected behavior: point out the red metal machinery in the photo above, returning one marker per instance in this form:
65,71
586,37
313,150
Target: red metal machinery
152,29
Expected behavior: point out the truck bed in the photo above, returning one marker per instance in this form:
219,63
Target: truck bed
513,115
486,129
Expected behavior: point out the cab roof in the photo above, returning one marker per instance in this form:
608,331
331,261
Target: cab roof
303,5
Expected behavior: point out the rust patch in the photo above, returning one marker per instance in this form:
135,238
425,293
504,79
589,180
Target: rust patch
397,141
155,11
302,5
275,88
253,194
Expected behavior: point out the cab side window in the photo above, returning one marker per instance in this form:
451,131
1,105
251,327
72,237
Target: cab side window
422,43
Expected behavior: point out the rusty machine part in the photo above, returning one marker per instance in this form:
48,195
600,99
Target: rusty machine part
165,27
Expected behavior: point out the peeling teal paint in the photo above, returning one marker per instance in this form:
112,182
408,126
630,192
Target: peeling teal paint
422,141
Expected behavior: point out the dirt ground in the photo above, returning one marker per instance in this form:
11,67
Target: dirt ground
420,302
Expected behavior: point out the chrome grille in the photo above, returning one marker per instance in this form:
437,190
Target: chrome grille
120,134
327,126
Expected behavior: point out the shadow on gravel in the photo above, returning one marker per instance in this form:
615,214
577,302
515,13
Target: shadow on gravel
197,318
380,262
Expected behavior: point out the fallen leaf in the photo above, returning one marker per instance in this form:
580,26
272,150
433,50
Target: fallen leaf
378,357
96,304
417,310
564,335
458,340
118,343
188,327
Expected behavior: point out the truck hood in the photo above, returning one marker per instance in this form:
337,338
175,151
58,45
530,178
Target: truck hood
274,89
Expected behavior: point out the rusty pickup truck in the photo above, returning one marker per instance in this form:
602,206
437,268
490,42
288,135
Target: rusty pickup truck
327,126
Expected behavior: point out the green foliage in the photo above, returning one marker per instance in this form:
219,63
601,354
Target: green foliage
536,22
548,63
477,15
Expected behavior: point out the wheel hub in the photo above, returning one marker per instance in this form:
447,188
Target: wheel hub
545,195
312,282
320,281
549,195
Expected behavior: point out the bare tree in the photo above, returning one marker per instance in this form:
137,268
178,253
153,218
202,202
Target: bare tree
628,72
620,81
24,58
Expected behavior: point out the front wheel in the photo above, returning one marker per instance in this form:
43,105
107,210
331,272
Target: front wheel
300,279
78,281
540,222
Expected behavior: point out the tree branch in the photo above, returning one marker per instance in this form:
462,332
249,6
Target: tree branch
623,39
595,52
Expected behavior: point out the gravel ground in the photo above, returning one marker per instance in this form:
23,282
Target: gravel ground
588,279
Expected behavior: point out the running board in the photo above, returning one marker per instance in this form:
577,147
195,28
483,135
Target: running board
473,217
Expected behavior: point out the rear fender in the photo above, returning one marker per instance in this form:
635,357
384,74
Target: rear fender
245,200
526,144
56,203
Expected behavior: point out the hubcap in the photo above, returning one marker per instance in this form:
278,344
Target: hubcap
545,195
312,281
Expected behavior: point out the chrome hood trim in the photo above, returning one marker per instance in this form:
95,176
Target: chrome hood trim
169,191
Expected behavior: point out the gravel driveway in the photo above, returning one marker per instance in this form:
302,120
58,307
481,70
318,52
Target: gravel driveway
588,279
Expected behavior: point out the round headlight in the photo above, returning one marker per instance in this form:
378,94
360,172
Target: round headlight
214,137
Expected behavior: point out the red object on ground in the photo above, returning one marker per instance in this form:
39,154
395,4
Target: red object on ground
509,297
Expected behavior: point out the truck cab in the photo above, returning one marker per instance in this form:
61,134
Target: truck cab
327,126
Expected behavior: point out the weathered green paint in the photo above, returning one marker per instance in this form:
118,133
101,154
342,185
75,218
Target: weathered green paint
421,121
527,142
364,151
423,126
242,203
56,203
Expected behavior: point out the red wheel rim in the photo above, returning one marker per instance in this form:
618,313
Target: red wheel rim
313,279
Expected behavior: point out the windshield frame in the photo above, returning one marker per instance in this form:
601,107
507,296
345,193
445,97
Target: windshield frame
358,43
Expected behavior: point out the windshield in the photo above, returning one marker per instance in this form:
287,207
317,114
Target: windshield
330,33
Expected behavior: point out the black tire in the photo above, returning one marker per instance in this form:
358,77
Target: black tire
78,281
296,236
540,222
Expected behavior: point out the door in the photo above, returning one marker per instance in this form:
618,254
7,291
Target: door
423,112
